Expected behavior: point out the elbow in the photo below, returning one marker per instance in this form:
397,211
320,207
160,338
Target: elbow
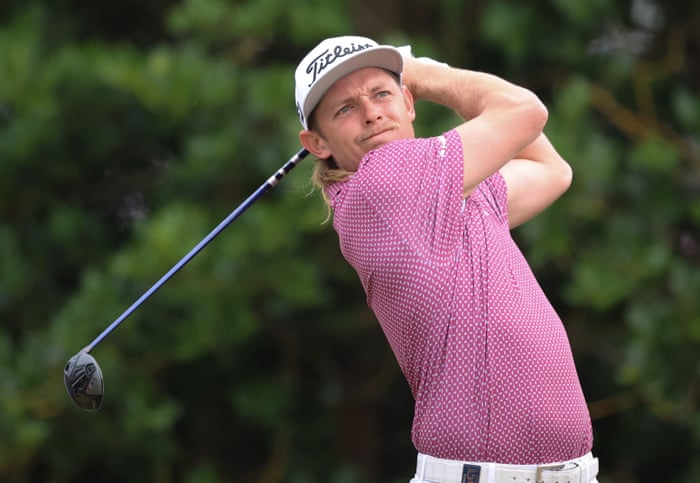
569,176
536,110
528,115
565,176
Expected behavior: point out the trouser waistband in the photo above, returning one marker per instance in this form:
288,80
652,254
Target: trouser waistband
437,470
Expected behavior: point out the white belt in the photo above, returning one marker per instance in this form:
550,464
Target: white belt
436,470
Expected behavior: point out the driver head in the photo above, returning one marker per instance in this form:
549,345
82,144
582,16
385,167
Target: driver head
83,378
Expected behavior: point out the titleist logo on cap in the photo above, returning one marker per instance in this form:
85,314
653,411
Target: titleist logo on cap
327,57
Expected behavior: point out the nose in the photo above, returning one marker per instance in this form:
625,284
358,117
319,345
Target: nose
371,111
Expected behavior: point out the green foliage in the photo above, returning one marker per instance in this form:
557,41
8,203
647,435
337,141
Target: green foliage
122,143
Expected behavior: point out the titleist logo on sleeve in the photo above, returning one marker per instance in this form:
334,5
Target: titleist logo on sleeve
326,58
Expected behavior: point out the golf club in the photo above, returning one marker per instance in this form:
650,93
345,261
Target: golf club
82,374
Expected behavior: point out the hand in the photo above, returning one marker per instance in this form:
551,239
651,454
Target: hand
416,70
411,75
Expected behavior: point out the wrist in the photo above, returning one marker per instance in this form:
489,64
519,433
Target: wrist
420,72
423,76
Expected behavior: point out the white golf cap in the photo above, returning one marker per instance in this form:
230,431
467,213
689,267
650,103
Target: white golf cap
333,59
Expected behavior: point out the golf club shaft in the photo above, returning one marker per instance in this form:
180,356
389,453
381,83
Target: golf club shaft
264,188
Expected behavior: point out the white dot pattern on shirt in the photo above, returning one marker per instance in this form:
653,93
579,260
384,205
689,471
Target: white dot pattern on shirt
486,356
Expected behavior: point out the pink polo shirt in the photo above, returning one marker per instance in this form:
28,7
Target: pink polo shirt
486,356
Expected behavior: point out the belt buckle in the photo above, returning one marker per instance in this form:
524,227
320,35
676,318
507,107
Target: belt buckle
541,468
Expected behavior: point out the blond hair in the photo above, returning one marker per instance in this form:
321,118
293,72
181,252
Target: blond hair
325,173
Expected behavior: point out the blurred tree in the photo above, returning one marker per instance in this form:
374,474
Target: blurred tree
128,130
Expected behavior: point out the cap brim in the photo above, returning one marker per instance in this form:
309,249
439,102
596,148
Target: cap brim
383,57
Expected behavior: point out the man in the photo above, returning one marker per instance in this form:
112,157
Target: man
426,225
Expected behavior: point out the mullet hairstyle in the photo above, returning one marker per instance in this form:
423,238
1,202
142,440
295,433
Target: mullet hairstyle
326,171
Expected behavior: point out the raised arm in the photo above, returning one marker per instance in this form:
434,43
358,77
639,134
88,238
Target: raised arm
502,131
535,179
502,119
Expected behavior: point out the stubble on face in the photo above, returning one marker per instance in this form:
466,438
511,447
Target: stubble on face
361,112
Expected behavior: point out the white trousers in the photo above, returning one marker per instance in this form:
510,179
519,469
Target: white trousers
437,470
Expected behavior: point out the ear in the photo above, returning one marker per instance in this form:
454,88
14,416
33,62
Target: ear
315,144
410,103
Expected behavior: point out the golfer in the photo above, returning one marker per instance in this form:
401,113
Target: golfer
426,222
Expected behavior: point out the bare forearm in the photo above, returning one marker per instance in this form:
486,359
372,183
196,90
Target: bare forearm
501,118
535,178
466,92
541,150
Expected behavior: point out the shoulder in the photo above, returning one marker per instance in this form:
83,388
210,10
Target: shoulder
404,168
413,153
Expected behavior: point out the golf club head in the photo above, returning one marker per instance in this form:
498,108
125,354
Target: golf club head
83,378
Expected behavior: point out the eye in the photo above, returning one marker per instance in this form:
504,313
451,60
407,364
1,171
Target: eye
383,94
343,110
